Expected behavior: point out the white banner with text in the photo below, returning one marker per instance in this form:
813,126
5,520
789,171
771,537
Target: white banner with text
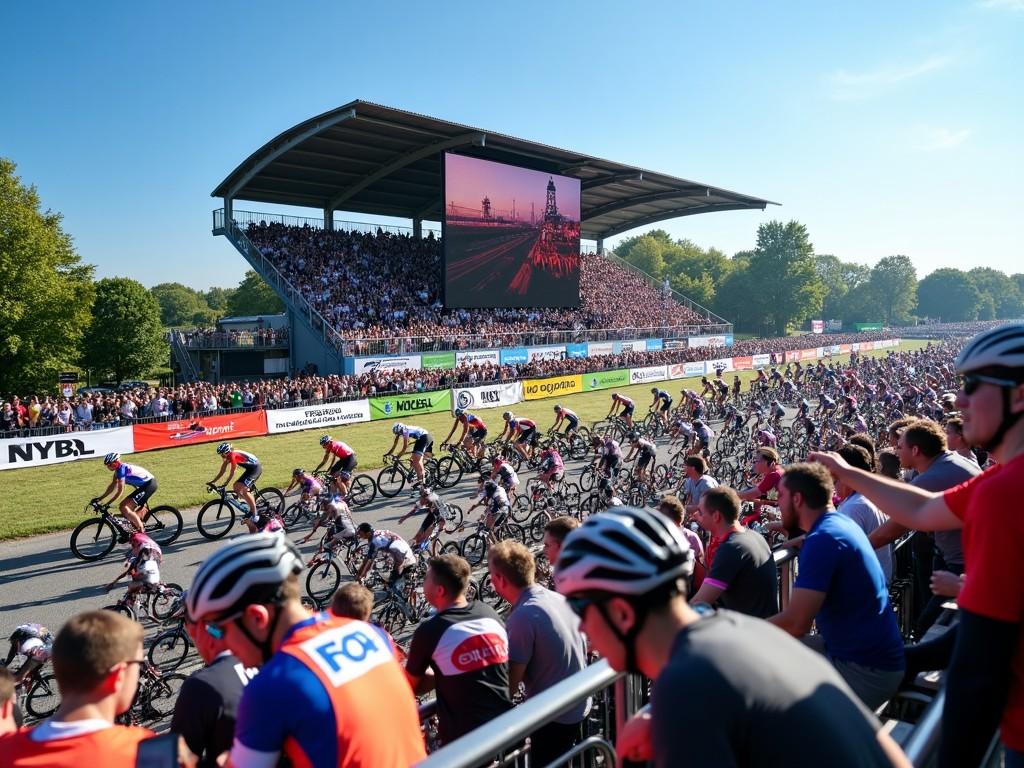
490,396
69,446
325,415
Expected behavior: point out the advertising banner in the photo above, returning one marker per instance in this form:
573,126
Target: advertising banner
203,429
833,350
325,415
819,352
629,346
709,341
490,396
743,363
575,350
867,326
70,446
817,326
536,389
597,349
675,344
844,349
724,364
686,370
545,353
762,361
867,346
478,357
808,354
437,360
393,406
605,379
728,340
513,356
655,345
370,364
651,373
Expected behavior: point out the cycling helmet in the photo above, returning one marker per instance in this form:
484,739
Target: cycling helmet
507,415
458,412
397,428
325,440
110,458
1001,347
698,423
624,551
490,487
633,437
248,570
558,408
654,390
24,632
298,471
364,528
223,448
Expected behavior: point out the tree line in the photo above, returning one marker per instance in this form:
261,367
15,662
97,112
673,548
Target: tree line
782,283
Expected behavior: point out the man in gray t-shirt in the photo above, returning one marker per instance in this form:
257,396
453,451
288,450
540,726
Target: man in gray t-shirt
696,482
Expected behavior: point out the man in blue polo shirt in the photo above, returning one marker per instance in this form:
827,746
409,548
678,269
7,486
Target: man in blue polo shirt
840,588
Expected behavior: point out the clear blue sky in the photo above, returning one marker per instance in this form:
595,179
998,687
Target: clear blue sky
884,127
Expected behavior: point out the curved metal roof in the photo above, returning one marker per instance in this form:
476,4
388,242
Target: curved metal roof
371,159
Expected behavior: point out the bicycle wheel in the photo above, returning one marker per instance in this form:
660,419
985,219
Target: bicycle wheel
587,478
536,527
169,649
490,595
269,501
474,549
361,491
391,618
449,472
43,697
292,514
659,476
514,532
124,610
520,511
93,539
453,518
163,525
215,519
163,695
164,604
323,580
451,548
391,481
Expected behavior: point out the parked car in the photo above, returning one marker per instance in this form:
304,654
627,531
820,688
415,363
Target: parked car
126,385
95,390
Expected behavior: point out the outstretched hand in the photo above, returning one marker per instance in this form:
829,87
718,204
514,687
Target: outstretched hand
832,461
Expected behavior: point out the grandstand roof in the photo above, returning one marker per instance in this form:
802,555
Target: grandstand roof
371,159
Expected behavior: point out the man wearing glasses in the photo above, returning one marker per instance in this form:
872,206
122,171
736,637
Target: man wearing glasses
985,681
96,659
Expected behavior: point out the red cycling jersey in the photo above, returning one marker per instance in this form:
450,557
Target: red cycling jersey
339,449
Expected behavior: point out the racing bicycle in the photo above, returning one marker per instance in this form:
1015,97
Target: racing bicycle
95,537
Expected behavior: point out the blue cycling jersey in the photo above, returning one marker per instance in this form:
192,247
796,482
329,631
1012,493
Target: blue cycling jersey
661,394
133,475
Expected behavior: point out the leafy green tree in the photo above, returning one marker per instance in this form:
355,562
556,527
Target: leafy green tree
700,290
860,305
217,298
126,339
839,278
179,304
894,281
254,297
45,291
786,286
1005,294
646,254
949,294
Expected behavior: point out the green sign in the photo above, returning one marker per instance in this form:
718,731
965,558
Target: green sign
605,379
868,326
438,360
400,406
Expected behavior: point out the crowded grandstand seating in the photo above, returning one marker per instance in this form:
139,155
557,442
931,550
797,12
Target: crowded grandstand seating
213,338
377,286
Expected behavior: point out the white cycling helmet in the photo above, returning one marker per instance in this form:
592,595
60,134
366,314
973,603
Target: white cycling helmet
248,570
397,429
1001,347
223,448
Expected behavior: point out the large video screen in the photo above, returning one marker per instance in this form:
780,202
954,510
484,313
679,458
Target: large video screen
511,236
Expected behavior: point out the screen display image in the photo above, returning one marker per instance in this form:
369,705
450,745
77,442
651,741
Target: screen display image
511,236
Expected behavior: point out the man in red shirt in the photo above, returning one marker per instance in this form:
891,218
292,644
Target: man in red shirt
766,464
985,682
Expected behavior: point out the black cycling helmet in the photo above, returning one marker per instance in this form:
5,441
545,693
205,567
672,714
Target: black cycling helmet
558,408
298,471
364,528
633,437
490,487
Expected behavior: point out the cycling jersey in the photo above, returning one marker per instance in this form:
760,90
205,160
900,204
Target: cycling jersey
523,424
569,416
242,459
133,475
610,450
413,433
646,446
393,545
339,449
661,394
553,462
507,474
332,694
472,421
624,400
704,434
310,485
497,500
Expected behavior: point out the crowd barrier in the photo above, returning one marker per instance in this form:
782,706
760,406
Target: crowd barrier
40,450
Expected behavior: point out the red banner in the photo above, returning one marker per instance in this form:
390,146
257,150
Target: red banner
844,349
743,363
205,429
808,354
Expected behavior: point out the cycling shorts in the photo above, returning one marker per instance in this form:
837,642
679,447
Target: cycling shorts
611,463
144,492
344,467
478,435
644,459
498,514
666,404
628,410
424,444
250,476
342,528
431,518
571,424
554,473
526,435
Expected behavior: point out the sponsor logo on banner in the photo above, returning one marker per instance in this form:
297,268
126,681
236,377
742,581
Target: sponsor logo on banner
762,361
651,373
855,347
545,353
55,449
629,346
325,415
724,364
817,326
819,352
655,345
478,357
808,354
431,360
536,389
709,341
685,370
371,364
867,346
597,349
513,356
203,429
743,363
728,340
833,350
844,349
394,406
675,344
605,379
488,397
575,350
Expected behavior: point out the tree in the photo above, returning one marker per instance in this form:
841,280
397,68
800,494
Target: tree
179,304
1003,291
217,298
894,281
839,278
254,297
126,340
949,294
646,255
45,291
860,305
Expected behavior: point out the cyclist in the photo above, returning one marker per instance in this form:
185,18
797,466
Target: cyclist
394,547
665,400
609,454
776,378
337,518
707,388
552,467
736,386
143,565
251,471
422,443
644,451
765,438
524,430
307,484
141,481
723,389
429,505
572,421
702,436
474,432
345,462
35,643
503,474
325,683
495,502
627,408
776,414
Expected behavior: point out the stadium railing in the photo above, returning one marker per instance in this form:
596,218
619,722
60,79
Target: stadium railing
239,340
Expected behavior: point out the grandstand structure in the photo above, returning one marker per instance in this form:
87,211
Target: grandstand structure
364,158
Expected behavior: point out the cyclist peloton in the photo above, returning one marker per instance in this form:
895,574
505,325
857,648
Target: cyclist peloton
644,450
251,471
142,484
35,643
572,421
422,443
345,462
627,408
307,484
665,399
474,432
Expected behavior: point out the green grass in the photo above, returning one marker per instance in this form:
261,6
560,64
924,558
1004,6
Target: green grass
43,499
